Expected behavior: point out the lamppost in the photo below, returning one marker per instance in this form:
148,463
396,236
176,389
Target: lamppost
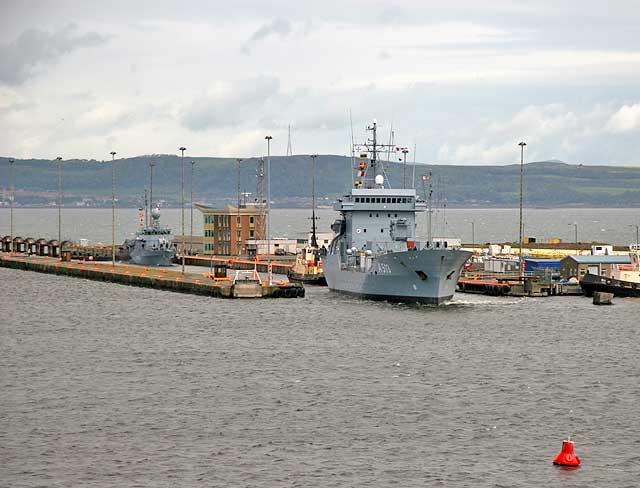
314,238
59,174
520,226
473,236
151,165
11,197
113,208
637,233
268,138
182,149
404,167
575,224
191,198
238,231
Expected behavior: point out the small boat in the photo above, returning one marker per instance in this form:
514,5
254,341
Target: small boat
624,280
308,266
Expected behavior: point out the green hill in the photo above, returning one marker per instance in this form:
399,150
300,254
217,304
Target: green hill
547,183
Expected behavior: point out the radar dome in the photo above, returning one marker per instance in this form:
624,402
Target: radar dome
379,179
155,213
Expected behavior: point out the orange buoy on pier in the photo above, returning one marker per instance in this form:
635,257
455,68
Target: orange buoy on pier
567,457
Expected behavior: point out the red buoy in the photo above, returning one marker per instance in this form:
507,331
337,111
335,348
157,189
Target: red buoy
566,457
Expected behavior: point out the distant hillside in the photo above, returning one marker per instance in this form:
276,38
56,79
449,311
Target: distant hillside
547,183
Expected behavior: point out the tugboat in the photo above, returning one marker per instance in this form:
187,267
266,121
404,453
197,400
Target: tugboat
623,282
152,245
308,266
375,254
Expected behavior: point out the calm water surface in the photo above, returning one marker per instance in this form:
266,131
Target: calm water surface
615,226
106,385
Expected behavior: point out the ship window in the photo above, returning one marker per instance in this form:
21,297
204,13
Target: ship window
368,200
378,200
388,215
377,215
381,231
404,200
370,215
364,230
357,199
395,215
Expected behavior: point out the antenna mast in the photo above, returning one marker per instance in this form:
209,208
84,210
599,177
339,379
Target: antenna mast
289,149
260,201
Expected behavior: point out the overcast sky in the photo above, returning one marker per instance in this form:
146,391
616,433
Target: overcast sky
462,80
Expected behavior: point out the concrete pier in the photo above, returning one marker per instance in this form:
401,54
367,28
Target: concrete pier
150,277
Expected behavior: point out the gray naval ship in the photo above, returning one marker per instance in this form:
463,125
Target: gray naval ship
375,254
152,245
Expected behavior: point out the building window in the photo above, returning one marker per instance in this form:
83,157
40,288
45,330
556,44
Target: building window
251,219
251,233
238,220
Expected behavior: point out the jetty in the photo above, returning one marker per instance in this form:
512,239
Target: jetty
158,278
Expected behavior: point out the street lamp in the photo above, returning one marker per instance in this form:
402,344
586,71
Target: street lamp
11,197
637,234
191,198
575,224
520,226
59,173
151,165
182,149
238,232
268,138
113,208
314,238
473,236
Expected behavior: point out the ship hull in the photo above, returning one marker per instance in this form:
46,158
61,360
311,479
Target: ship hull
161,257
428,276
591,283
308,279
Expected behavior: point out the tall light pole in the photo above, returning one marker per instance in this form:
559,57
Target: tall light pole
404,167
268,138
191,198
182,149
637,234
473,236
113,208
520,226
314,238
59,173
575,225
11,197
151,165
238,244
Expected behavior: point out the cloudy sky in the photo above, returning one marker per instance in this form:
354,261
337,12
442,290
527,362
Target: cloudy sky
462,80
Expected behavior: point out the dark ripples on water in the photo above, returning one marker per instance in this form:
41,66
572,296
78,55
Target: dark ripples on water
104,385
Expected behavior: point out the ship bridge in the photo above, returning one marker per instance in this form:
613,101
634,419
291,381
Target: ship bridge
379,215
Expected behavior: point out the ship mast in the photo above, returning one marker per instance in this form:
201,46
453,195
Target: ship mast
370,149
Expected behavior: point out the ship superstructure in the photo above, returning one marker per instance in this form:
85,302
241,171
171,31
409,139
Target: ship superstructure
376,254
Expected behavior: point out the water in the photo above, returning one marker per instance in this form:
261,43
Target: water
615,226
107,385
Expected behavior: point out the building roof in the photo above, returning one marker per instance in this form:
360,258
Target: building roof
605,259
250,209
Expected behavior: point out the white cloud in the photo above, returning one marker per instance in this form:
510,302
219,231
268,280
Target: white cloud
625,120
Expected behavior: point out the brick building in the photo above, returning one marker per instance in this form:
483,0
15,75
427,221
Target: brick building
227,229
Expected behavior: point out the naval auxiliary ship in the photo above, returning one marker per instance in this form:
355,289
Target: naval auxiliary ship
375,254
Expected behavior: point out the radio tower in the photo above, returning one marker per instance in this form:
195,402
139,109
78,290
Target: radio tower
289,149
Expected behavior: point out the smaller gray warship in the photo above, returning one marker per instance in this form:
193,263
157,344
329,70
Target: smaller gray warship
152,245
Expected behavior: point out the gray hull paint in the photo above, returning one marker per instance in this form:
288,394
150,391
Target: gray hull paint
161,257
400,282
